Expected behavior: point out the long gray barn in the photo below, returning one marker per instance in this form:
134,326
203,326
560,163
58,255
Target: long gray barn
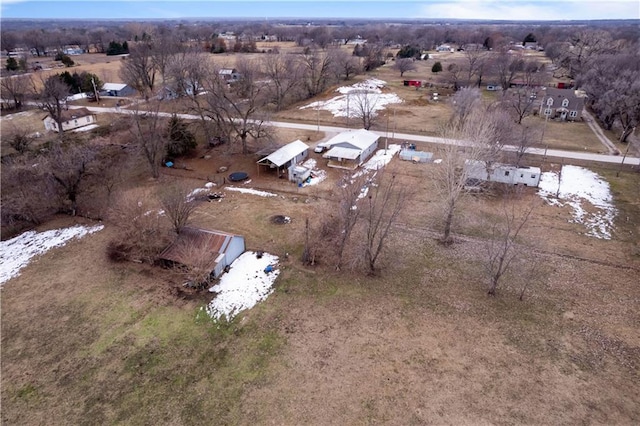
503,173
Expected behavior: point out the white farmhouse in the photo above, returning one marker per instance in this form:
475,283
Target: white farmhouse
73,119
350,149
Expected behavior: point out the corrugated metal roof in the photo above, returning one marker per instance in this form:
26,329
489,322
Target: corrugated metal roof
196,240
113,86
286,153
361,139
341,152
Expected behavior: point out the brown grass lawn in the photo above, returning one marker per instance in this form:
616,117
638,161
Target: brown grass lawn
87,341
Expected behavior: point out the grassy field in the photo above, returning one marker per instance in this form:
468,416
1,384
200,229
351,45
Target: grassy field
420,343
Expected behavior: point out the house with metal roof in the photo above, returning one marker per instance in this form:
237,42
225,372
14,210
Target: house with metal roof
204,248
350,149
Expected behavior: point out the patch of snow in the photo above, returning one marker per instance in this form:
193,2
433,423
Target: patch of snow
346,104
192,195
437,160
246,182
209,185
574,186
243,286
17,252
251,191
317,175
382,157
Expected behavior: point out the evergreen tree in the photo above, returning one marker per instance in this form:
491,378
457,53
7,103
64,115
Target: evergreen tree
12,64
181,140
436,68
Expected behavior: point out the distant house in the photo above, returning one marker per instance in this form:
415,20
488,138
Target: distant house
117,90
71,120
209,249
229,74
502,173
350,149
287,158
444,48
561,104
73,50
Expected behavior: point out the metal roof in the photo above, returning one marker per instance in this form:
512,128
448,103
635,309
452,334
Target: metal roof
286,153
341,152
192,241
360,139
113,86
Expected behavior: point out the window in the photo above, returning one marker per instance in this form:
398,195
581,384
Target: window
521,175
565,103
550,101
75,122
547,111
573,113
506,173
88,119
533,176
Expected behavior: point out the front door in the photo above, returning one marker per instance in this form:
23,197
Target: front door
563,115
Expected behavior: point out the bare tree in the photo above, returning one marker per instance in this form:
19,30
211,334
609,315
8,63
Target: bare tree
502,246
142,234
351,190
16,87
506,67
284,72
198,269
236,108
345,65
464,102
477,134
139,69
455,73
403,65
19,137
385,200
70,167
178,204
365,104
53,98
317,71
148,135
27,195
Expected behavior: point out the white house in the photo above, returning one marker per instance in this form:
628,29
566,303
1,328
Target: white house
71,120
503,173
229,74
215,250
444,48
287,157
350,149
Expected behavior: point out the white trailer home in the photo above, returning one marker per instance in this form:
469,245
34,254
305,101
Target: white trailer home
502,173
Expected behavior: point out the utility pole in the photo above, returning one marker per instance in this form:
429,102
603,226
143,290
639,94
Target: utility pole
347,110
626,151
95,90
546,146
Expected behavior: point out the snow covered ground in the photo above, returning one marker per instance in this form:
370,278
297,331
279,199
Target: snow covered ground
318,174
243,286
368,92
577,186
17,252
251,191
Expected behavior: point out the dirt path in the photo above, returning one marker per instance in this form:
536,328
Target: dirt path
598,132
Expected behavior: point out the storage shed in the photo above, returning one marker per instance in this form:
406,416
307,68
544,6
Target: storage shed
286,157
117,90
197,246
503,173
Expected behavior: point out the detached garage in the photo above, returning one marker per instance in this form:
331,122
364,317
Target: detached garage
197,247
117,90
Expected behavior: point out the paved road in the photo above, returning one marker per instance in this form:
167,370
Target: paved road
550,153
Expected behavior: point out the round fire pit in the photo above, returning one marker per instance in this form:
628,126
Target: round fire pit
280,219
238,176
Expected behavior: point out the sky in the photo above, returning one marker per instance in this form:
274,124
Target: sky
519,10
